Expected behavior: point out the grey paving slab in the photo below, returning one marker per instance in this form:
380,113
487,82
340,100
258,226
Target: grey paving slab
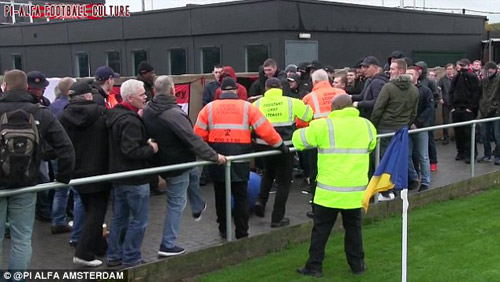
53,251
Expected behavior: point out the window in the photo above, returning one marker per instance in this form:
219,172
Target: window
178,61
82,64
210,56
113,60
17,62
255,56
138,56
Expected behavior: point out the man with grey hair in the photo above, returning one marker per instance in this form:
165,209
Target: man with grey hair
129,149
173,130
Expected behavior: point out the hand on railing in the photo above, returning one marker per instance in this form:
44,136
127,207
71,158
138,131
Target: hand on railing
284,148
221,159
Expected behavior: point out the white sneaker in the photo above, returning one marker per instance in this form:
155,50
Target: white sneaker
91,263
382,198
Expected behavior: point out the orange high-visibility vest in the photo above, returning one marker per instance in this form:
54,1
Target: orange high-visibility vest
320,100
231,121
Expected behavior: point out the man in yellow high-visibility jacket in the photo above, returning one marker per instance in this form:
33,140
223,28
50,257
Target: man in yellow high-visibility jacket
282,112
344,141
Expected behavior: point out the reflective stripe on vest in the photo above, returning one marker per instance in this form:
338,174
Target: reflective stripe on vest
331,137
243,126
304,139
304,117
317,109
262,142
201,125
341,189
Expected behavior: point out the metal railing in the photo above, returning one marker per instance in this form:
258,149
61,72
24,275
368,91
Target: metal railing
230,160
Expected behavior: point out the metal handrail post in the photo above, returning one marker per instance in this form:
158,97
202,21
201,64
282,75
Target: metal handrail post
473,149
229,227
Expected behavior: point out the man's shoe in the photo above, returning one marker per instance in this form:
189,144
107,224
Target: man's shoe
169,252
197,216
73,243
306,191
467,160
460,157
203,182
446,141
60,229
127,265
497,161
284,222
361,271
434,167
310,214
484,159
259,210
413,185
90,263
113,263
423,188
305,271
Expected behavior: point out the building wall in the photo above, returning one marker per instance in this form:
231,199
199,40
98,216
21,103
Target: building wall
345,33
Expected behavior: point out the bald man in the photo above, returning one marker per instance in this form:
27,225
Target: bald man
344,141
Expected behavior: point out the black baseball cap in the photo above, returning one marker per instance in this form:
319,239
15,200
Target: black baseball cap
370,60
273,82
228,84
37,80
79,88
294,77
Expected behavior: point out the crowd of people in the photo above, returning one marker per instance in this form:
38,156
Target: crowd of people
89,130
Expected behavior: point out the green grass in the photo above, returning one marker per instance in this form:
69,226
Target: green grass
457,240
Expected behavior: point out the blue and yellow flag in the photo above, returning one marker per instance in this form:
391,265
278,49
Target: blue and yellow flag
392,172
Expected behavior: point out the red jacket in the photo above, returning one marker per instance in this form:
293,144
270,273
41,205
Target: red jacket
228,71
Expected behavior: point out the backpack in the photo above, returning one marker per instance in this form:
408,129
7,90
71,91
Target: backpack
19,149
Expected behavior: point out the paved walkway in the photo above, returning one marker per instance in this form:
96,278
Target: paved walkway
54,252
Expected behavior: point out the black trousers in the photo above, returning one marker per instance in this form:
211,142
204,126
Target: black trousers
462,133
324,219
91,242
277,167
240,212
313,168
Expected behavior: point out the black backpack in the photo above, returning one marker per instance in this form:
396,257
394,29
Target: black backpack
19,149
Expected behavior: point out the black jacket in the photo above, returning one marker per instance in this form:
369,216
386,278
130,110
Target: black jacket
425,109
148,86
98,94
168,125
367,98
49,128
464,91
258,87
489,103
85,123
128,146
209,92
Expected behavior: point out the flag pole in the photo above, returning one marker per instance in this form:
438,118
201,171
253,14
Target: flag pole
404,253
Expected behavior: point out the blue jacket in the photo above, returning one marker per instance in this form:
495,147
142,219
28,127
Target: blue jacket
57,108
367,98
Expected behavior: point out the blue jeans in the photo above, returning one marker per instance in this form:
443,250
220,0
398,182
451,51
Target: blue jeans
19,210
129,222
419,145
486,129
177,187
59,205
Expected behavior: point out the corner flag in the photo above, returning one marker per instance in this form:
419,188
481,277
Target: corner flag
392,172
